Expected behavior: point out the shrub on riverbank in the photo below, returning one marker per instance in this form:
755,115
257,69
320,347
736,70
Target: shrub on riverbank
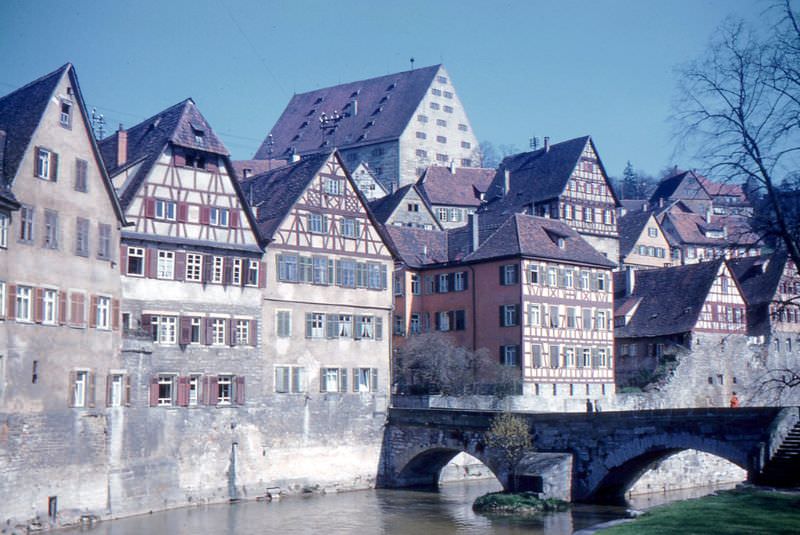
733,512
521,503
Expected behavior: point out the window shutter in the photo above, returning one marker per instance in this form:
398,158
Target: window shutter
186,330
235,216
231,326
180,159
149,207
183,212
436,320
38,305
383,277
53,166
357,327
147,322
123,259
562,278
183,392
593,278
239,389
355,379
205,215
36,152
342,379
227,270
208,332
339,272
252,333
262,274
151,262
208,267
180,266
109,380
373,386
213,390
12,302
502,281
115,314
73,376
62,308
466,280
309,324
154,391
127,398
451,285
330,271
90,397
332,324
93,312
206,394
378,328
502,317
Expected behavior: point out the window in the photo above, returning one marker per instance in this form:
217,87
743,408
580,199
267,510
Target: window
218,217
569,357
194,391
601,282
218,331
103,313
82,237
165,209
218,270
365,379
533,274
422,118
81,171
252,273
552,277
442,158
317,223
652,232
442,285
46,164
415,284
49,307
554,316
315,325
349,227
508,275
224,389
399,326
242,332
365,327
377,276
441,139
534,316
441,122
459,280
283,323
466,145
569,278
415,324
4,221
434,105
509,355
441,79
236,272
24,303
448,94
136,261
600,322
442,321
347,273
586,358
340,326
115,390
164,329
166,390
572,321
509,315
584,283
587,319
166,265
536,354
103,241
194,332
333,380
26,224
447,109
290,379
437,92
65,117
555,356
421,135
80,386
332,186
320,269
194,267
287,268
50,229
463,127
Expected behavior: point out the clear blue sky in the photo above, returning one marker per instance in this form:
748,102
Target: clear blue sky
562,68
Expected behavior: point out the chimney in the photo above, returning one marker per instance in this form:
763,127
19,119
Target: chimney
547,143
630,280
122,146
473,225
506,181
661,202
452,167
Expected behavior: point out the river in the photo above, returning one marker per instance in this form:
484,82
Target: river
429,512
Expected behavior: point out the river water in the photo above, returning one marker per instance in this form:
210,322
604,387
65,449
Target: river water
429,512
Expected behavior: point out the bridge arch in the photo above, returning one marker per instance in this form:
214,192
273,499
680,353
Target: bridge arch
425,468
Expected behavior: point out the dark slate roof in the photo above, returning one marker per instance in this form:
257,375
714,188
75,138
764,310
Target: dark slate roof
272,194
667,187
7,199
531,236
256,167
462,186
759,277
384,207
419,247
630,228
663,310
386,104
634,205
20,113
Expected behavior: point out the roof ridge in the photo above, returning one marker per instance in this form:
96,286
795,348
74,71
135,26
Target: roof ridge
42,78
371,79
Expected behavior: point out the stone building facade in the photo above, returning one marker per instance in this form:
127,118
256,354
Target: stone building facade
405,207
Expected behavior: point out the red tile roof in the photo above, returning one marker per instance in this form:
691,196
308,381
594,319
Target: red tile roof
461,187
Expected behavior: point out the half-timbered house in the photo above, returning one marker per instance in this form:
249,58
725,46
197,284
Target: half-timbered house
642,243
60,366
454,192
565,181
405,207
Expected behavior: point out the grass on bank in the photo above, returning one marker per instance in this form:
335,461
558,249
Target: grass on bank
733,512
520,503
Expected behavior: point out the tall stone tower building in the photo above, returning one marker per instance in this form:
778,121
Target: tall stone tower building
398,124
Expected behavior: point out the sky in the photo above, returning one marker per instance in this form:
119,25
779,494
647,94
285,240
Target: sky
557,68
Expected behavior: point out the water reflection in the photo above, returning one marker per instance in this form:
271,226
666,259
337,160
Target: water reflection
448,511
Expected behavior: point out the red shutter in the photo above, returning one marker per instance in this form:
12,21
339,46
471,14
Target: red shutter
91,393
149,207
186,330
206,390
205,213
62,308
147,325
231,323
53,166
115,314
252,334
183,392
153,390
213,390
180,266
183,212
180,159
12,302
123,259
81,304
235,218
93,312
208,331
151,263
38,305
262,275
239,390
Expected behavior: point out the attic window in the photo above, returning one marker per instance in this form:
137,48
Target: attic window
384,99
319,100
377,110
199,136
561,242
311,112
391,86
355,93
305,123
195,160
370,123
65,117
296,137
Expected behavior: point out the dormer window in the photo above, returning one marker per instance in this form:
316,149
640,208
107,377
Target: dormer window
561,242
199,137
195,160
65,117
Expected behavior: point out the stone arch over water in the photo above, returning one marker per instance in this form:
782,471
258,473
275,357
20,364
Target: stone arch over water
425,468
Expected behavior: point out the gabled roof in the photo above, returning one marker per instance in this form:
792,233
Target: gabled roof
461,186
384,207
630,228
538,237
691,228
667,187
385,105
634,205
419,247
255,167
20,114
363,170
718,188
662,310
759,277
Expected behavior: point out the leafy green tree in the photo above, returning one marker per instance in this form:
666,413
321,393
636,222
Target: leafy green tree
510,435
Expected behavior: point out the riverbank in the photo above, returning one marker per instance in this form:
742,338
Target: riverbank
744,510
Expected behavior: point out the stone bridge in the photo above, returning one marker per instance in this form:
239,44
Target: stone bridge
582,457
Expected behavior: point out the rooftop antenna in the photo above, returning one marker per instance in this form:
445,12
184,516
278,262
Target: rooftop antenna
329,123
412,64
534,142
270,144
98,124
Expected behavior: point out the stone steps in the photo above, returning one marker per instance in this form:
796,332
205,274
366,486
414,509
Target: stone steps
784,467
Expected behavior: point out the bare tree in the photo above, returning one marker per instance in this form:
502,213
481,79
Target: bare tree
740,105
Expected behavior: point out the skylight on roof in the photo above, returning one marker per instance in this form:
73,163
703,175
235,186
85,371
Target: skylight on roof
319,100
392,86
